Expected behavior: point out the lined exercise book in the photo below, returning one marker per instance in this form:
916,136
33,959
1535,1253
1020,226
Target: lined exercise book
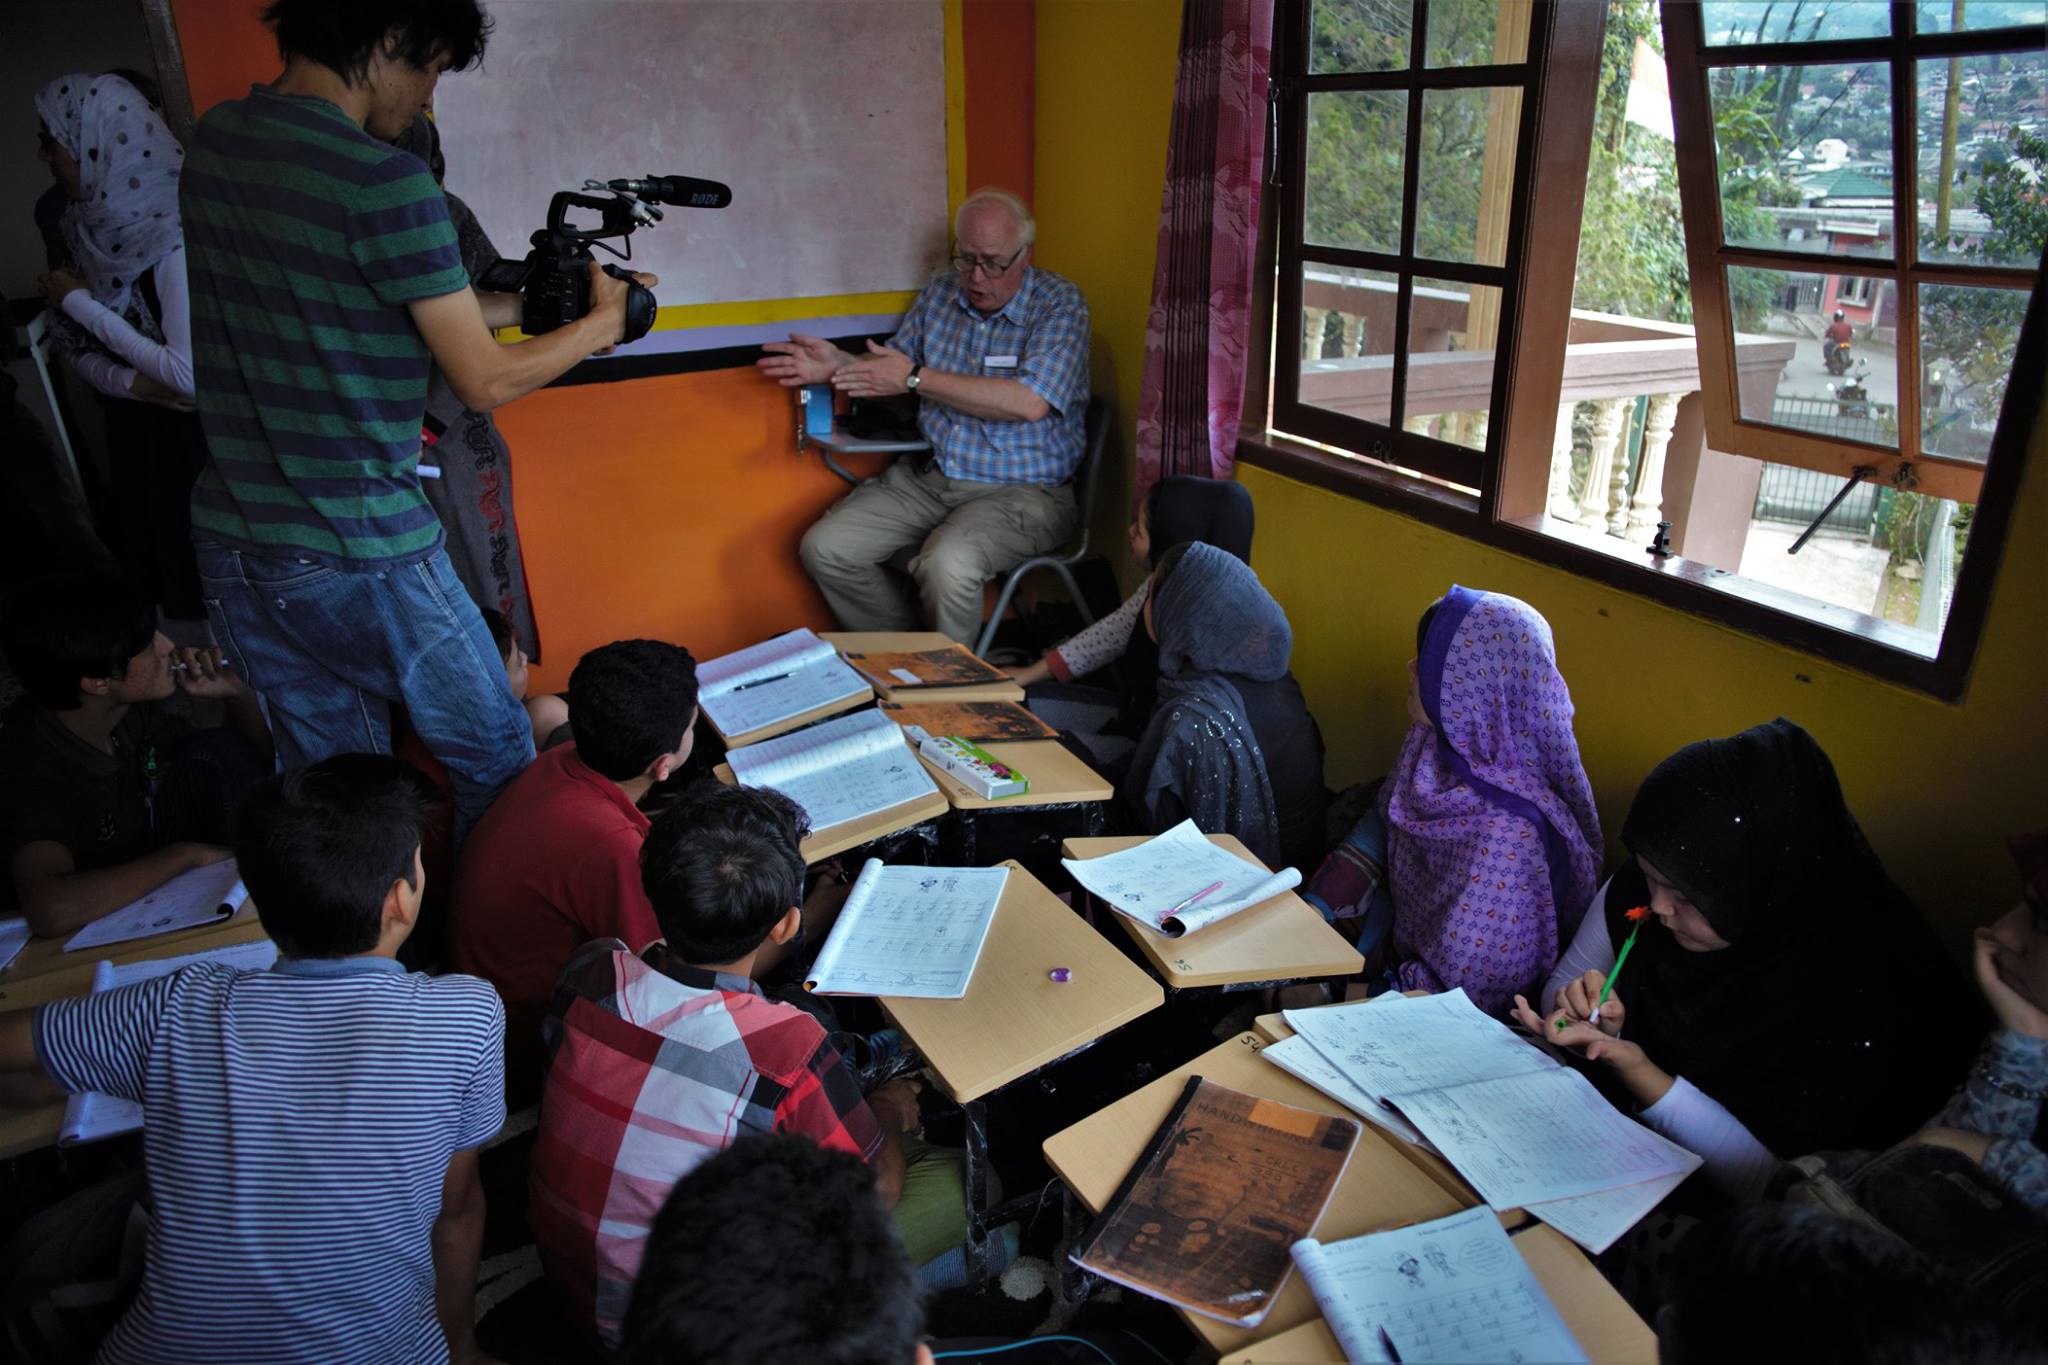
1524,1130
200,895
1153,882
89,1115
775,681
837,770
909,931
1228,1183
953,666
1453,1289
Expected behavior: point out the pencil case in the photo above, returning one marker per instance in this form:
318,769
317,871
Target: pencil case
973,767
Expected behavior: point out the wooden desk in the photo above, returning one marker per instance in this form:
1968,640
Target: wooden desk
823,843
1606,1327
1380,1188
28,1130
1280,940
894,641
1271,1028
1014,1018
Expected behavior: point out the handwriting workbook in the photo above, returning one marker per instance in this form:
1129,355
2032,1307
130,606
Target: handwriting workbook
1452,1289
983,722
1524,1130
1228,1183
200,895
837,770
775,681
909,931
953,666
1166,882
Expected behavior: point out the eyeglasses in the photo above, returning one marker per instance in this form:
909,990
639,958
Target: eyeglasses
985,265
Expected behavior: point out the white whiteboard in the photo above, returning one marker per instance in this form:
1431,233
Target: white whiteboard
827,118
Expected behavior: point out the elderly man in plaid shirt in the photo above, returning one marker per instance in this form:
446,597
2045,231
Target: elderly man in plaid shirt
998,351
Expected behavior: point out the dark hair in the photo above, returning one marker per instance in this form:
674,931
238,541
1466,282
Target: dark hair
502,634
774,1250
344,37
320,846
1827,1287
635,699
721,866
74,626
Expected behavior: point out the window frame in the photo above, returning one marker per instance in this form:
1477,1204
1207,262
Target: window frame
1509,512
1690,62
1389,443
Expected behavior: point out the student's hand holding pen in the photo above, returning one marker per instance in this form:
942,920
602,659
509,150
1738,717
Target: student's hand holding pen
1578,1000
1647,1081
200,673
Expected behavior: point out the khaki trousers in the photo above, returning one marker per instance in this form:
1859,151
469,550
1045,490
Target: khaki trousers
966,534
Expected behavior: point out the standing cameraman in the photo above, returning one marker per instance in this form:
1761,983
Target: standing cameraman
324,274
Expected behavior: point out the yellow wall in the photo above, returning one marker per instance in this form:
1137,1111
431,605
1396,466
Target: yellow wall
1937,786
1104,102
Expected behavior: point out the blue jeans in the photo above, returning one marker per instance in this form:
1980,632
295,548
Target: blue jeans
331,649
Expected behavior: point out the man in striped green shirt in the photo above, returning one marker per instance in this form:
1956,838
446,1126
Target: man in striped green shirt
325,276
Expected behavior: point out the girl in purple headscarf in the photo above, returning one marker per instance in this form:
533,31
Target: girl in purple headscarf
1493,841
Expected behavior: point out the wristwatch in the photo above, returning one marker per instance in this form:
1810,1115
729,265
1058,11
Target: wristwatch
914,378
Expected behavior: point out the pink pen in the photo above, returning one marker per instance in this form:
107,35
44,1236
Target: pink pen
1211,887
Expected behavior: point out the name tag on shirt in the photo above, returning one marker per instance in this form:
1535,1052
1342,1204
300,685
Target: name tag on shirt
1000,362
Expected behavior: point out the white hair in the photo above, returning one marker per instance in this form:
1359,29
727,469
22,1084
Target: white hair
1027,226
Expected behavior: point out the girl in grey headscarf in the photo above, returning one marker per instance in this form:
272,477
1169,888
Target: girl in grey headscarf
1231,743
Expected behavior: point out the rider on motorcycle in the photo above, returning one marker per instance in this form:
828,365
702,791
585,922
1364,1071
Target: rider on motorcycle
1833,341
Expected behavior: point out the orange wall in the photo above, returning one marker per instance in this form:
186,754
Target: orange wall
669,507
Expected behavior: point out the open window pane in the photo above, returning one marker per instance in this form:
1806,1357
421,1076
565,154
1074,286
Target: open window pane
1467,173
1359,35
1477,32
1356,144
1984,136
1968,337
1452,328
1347,342
1730,22
1805,157
1939,16
1835,376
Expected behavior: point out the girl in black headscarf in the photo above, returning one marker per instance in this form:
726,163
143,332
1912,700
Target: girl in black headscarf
1783,996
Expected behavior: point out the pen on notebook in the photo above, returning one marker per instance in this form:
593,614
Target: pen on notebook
760,682
1211,887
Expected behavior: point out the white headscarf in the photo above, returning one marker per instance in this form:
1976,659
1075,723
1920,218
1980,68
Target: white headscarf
126,217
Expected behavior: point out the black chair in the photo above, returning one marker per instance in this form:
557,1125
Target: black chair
1095,426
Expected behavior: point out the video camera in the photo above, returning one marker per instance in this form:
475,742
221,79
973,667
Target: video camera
554,279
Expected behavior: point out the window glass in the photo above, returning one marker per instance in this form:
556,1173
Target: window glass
1990,147
1477,32
1452,328
1359,35
1347,344
1805,157
1939,16
1968,337
1357,142
1730,22
1467,168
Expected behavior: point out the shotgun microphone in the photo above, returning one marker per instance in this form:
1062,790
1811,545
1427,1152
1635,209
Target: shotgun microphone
681,190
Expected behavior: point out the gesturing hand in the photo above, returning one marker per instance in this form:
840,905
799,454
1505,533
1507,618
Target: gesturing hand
1999,977
878,375
799,360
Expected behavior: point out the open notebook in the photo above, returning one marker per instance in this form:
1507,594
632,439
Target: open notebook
1178,882
909,931
89,1115
200,895
774,682
838,770
1523,1129
1453,1289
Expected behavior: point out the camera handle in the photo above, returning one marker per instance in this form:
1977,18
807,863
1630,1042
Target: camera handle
639,304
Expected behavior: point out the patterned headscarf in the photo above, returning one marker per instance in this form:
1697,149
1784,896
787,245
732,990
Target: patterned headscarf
126,217
1493,839
1216,622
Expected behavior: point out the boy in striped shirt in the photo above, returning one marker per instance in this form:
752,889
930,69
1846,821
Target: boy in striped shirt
324,275
311,1131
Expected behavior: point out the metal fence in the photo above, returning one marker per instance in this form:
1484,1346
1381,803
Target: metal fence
1797,496
1877,423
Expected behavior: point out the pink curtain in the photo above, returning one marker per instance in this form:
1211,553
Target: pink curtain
1196,336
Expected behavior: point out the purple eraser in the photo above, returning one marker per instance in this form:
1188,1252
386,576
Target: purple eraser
1061,974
